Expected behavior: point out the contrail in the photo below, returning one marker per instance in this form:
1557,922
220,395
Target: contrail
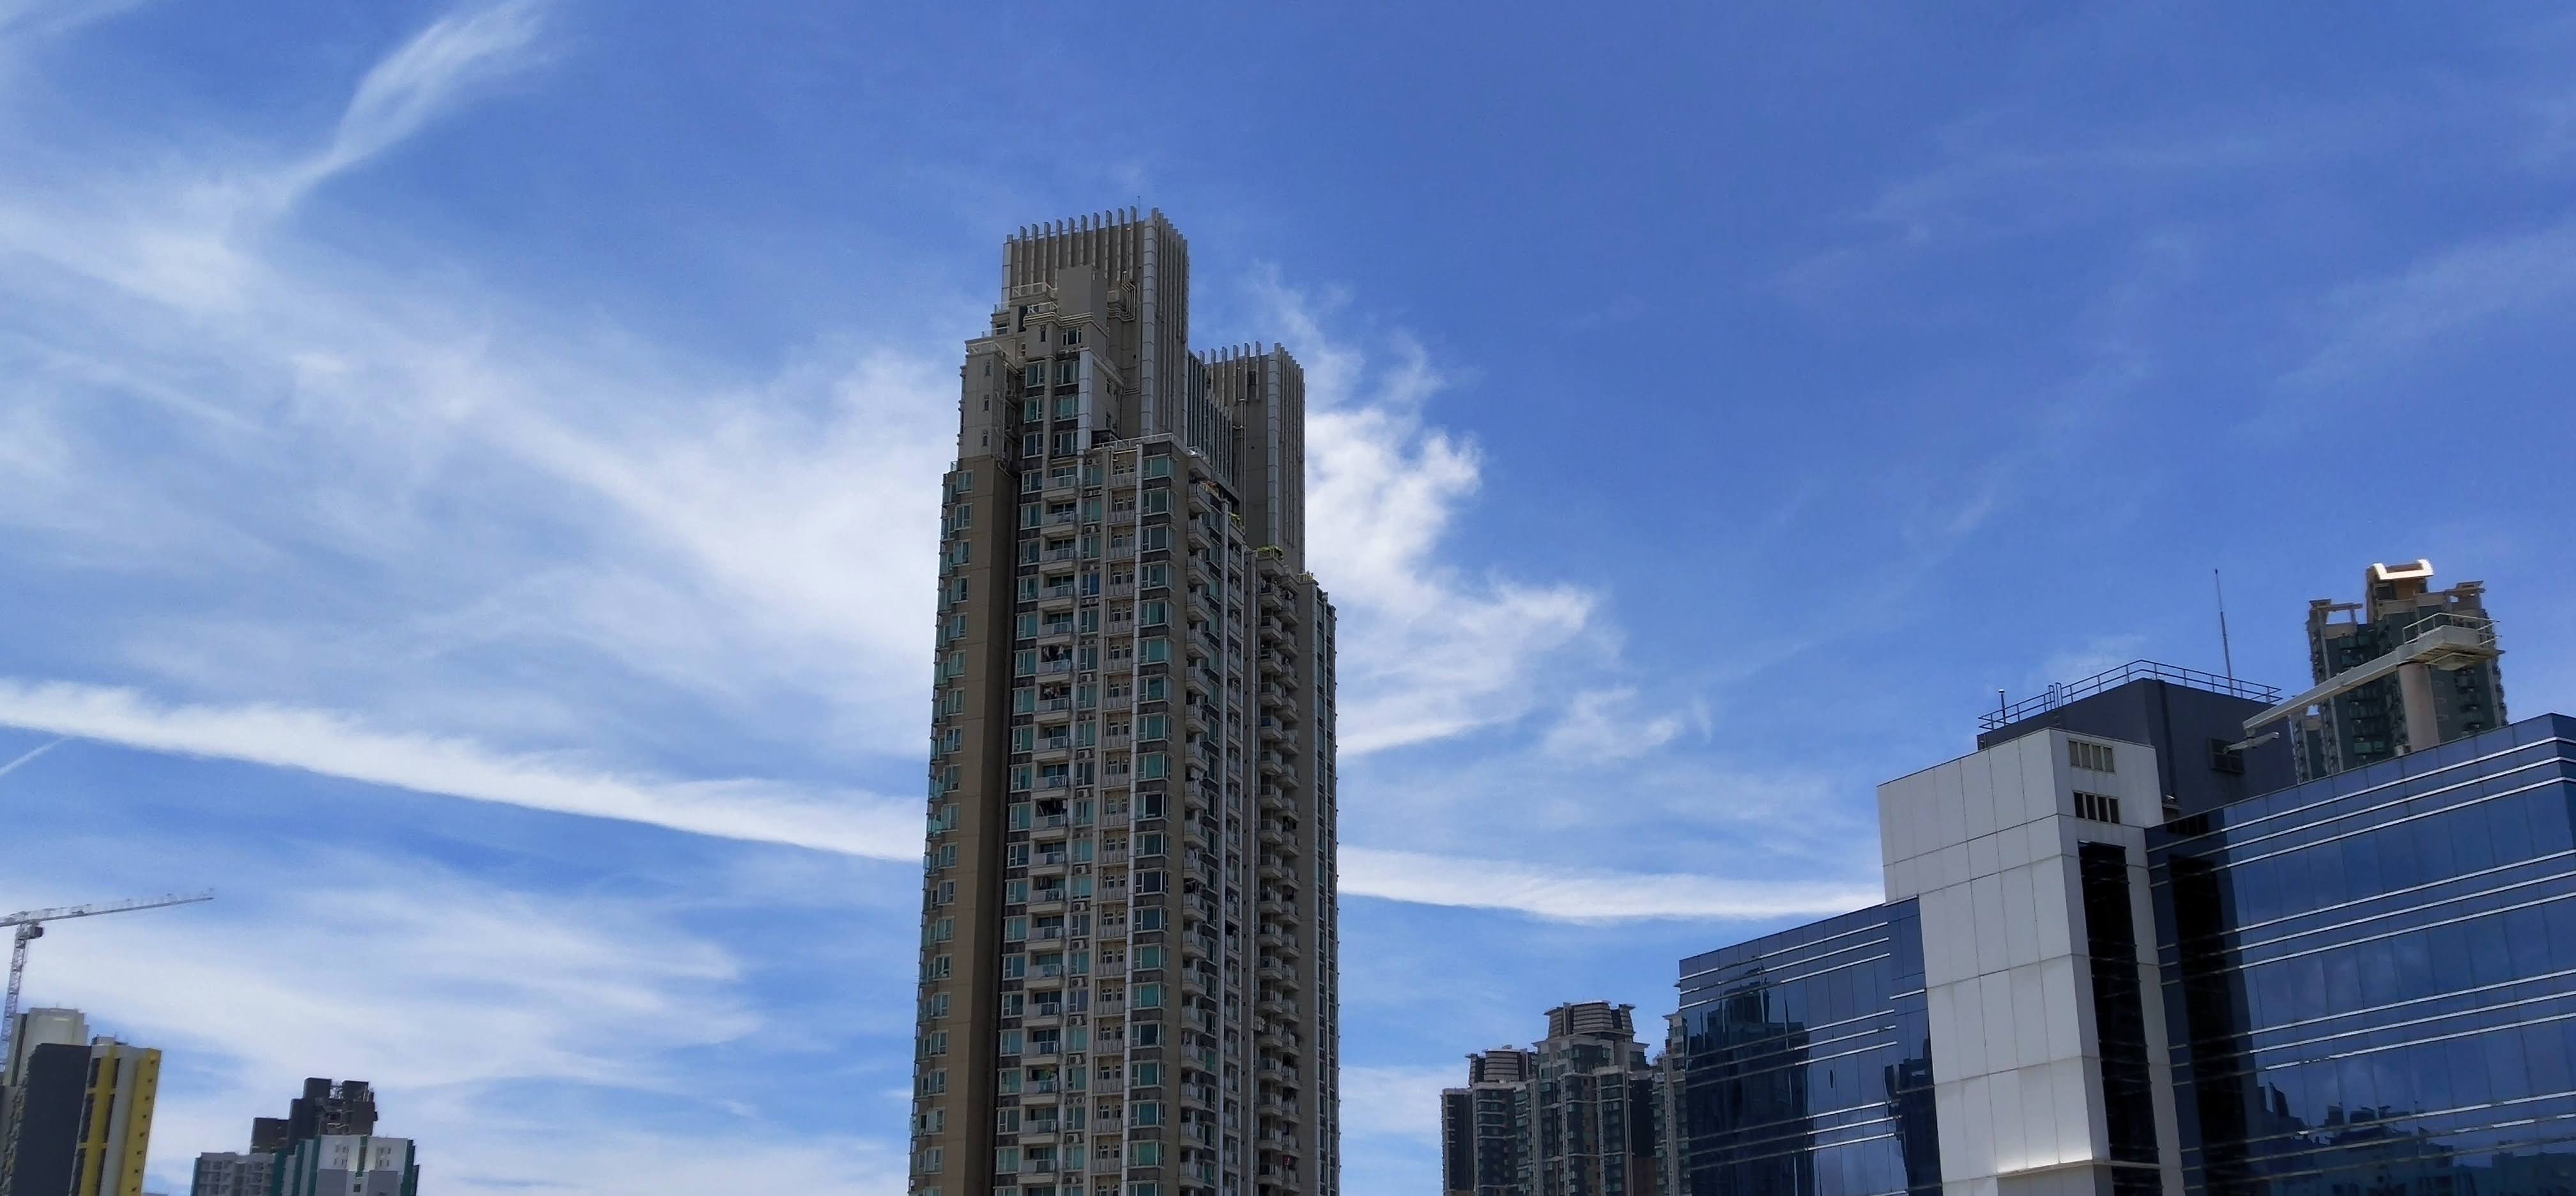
41,749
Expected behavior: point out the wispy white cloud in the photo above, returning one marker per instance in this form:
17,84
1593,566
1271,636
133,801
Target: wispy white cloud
432,73
49,18
1574,894
1427,650
2366,325
1606,725
450,993
467,479
333,745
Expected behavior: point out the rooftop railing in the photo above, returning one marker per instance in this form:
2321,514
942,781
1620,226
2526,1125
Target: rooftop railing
2108,679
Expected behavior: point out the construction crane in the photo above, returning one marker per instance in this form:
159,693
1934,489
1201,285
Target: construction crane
31,926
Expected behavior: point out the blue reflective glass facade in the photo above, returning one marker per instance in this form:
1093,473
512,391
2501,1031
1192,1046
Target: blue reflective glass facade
1806,1063
2370,979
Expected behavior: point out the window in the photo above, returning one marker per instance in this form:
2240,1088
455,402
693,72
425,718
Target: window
1150,726
1066,371
2224,758
1073,336
1032,444
1034,375
1153,614
2096,806
2094,756
1006,1160
1158,466
1147,1074
1149,957
1144,1154
1157,500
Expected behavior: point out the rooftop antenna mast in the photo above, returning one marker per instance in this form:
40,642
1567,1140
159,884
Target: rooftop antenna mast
2225,652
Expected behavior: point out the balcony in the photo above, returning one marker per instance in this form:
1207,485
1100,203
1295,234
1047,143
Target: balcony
1278,941
1279,833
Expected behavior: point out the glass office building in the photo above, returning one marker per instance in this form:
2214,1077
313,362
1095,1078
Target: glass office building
1802,1063
2099,972
2370,978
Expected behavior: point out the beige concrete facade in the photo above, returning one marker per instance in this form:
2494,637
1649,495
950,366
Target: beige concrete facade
1128,980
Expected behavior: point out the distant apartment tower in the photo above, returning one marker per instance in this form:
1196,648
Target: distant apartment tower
79,1113
2406,669
1575,1115
1128,978
284,1152
222,1174
1483,1126
348,1165
327,1107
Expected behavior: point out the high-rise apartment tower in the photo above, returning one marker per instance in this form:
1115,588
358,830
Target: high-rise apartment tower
2406,669
1575,1115
1128,982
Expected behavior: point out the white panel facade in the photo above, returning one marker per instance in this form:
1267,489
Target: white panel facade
1988,844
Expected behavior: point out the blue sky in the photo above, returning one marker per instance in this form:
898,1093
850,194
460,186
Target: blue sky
466,483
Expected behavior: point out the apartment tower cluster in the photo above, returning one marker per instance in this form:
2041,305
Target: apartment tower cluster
1128,982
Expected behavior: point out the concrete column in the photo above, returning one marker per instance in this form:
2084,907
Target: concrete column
2415,690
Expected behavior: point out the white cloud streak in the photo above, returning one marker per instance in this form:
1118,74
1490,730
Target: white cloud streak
24,759
847,823
1581,895
332,745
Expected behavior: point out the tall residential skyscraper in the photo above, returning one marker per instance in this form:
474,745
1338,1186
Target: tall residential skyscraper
2406,669
1128,979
